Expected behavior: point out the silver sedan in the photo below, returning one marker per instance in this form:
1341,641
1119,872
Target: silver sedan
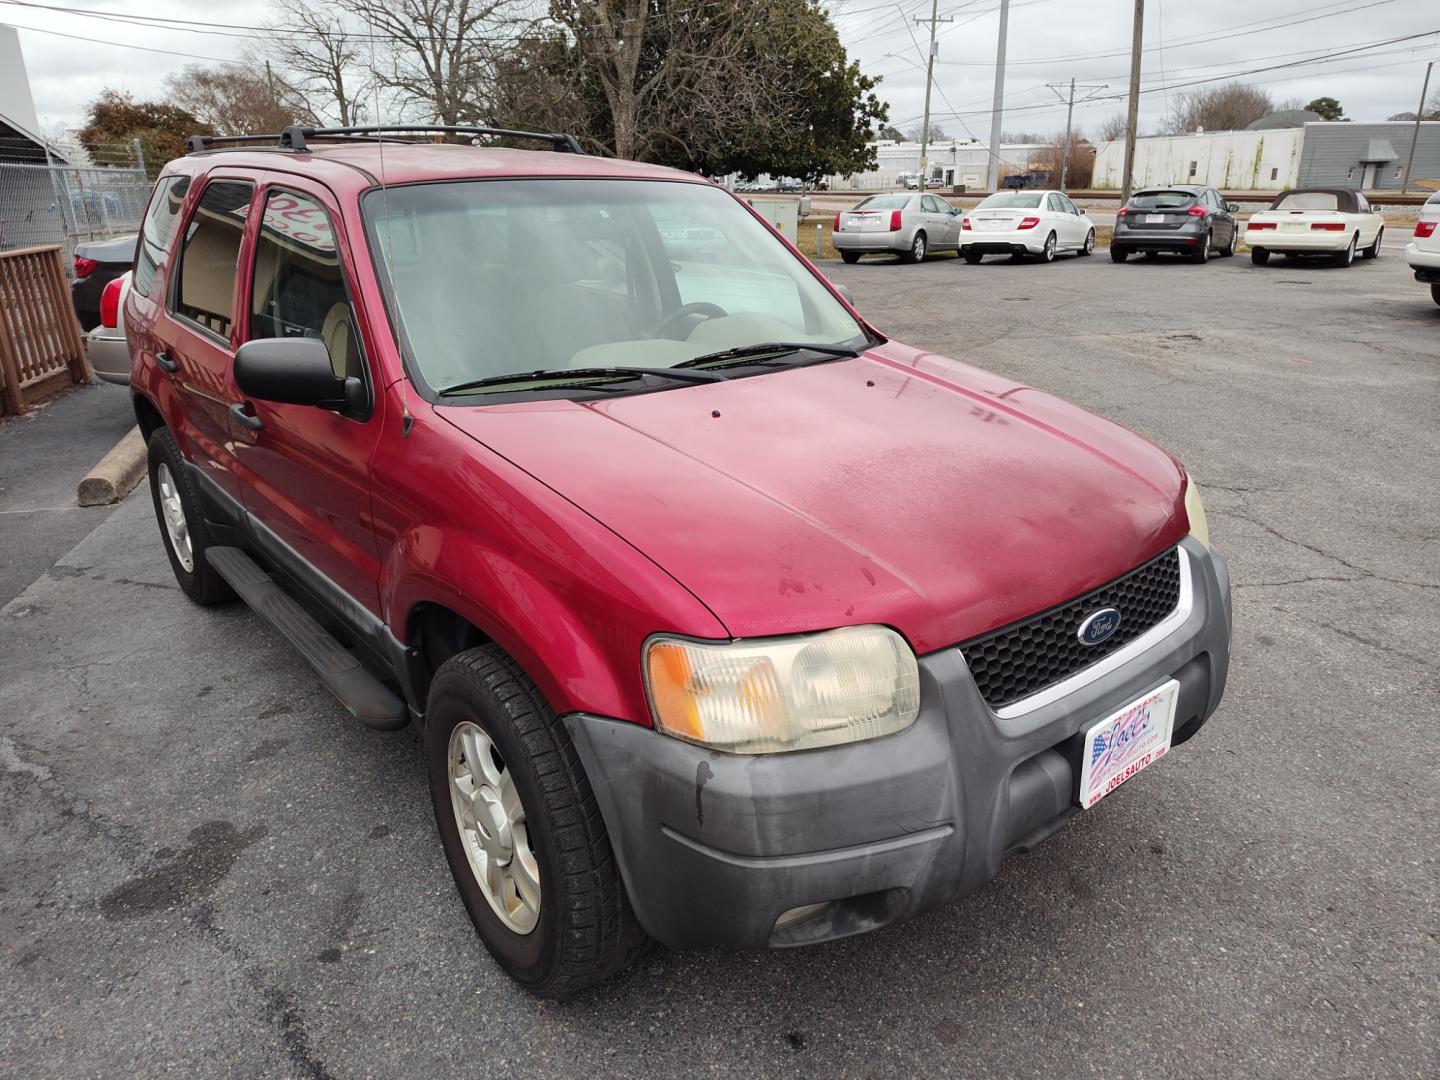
907,224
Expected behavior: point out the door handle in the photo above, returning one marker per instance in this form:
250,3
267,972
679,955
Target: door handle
166,363
245,419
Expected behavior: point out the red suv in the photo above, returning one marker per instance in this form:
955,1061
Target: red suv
728,619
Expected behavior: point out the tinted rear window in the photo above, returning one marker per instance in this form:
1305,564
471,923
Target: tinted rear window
885,202
1162,200
1308,200
1011,200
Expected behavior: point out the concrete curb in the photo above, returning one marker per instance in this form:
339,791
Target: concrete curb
117,472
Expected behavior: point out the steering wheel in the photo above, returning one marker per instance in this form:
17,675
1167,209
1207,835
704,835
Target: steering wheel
700,307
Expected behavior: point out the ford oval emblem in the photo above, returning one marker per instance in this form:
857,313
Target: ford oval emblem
1098,626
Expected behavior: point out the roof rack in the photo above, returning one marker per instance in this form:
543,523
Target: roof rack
296,137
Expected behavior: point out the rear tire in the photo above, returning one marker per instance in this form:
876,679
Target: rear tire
181,518
1435,293
971,257
1118,254
1259,256
1373,251
1346,257
1047,253
579,930
1152,255
1202,254
917,249
850,256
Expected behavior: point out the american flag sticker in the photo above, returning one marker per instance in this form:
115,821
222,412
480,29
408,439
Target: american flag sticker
1127,741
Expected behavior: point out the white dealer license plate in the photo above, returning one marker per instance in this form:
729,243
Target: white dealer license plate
1002,223
1154,219
1125,742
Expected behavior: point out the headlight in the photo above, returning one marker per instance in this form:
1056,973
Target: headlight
770,694
1195,511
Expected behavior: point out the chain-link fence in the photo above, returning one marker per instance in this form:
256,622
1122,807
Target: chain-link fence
52,203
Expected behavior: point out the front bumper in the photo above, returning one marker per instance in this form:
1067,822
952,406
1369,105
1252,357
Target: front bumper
714,847
1426,264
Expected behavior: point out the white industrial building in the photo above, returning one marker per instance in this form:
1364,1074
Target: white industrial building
952,161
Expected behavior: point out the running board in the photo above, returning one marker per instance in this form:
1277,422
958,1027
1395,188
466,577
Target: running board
367,698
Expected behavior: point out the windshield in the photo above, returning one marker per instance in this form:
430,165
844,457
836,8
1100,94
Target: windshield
1162,200
884,202
499,277
1011,200
1307,200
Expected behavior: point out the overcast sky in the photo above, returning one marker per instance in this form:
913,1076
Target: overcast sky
1049,41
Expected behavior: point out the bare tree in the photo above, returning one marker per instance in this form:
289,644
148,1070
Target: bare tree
327,63
439,55
1082,161
236,100
1228,107
1113,128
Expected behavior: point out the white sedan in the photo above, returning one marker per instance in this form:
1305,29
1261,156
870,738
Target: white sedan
1039,223
1333,222
1423,251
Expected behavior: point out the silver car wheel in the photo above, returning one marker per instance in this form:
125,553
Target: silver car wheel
172,511
492,824
1049,253
917,247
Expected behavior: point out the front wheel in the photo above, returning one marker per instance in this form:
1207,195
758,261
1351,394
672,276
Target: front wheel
521,830
850,256
1118,254
1089,248
1229,249
1047,253
1259,256
1373,251
917,249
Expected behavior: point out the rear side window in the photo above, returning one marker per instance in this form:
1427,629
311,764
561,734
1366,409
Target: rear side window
205,293
157,230
299,287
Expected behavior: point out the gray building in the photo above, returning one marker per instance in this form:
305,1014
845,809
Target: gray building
1368,156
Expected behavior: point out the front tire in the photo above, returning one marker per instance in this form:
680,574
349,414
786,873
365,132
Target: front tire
1373,251
917,249
521,829
183,528
1259,256
850,256
1229,249
1089,247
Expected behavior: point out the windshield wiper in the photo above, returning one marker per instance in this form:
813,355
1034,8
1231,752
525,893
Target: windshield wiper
766,348
563,374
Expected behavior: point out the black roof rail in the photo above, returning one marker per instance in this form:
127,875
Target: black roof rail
294,137
196,144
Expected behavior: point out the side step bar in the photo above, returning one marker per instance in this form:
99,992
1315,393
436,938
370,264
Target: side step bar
367,698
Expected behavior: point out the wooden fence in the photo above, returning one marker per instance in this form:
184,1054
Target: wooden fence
40,345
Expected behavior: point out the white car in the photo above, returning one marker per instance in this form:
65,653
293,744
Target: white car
1333,222
1039,223
105,346
1423,251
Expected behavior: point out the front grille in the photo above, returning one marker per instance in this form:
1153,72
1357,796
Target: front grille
1021,659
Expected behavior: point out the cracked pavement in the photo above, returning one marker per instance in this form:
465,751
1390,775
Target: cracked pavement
208,869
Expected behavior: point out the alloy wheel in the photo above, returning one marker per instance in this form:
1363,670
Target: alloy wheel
1049,253
492,823
917,248
172,511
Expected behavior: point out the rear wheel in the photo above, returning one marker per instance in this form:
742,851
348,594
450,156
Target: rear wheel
1202,253
1373,251
850,256
1259,256
521,830
1047,253
971,257
1089,247
1435,293
1118,254
1346,257
182,522
917,249
1152,255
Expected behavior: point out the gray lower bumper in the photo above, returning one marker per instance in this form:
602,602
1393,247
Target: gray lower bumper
898,241
714,847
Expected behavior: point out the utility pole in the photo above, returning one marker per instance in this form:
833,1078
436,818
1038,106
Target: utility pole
1415,138
996,107
934,20
1132,115
1069,100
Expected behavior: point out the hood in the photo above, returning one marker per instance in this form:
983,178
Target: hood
898,488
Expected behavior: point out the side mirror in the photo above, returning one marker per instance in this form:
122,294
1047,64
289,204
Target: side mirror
844,291
956,211
1233,207
295,371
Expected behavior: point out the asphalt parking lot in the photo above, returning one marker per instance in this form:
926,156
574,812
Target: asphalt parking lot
207,868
